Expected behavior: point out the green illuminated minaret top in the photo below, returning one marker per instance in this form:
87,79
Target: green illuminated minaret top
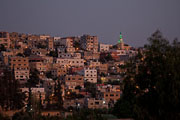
120,38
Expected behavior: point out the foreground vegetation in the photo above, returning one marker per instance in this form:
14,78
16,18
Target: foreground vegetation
152,83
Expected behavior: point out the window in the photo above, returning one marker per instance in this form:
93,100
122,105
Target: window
111,95
97,103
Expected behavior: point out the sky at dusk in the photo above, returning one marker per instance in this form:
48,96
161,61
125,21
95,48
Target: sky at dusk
136,19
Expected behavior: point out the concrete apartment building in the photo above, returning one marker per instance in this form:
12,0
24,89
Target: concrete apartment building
103,68
69,55
93,103
5,39
94,64
68,42
59,71
89,43
75,103
70,62
111,96
71,81
44,37
91,56
103,47
21,68
21,74
90,75
39,52
50,43
18,62
108,88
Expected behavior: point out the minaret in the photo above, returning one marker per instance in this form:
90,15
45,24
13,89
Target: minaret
120,42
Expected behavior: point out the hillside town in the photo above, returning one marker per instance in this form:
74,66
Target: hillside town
65,73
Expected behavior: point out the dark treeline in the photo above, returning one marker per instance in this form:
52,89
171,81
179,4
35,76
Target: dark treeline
152,82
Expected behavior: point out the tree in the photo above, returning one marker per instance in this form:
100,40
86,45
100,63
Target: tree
11,96
20,54
86,114
33,78
58,94
27,52
91,88
53,53
49,74
152,81
78,87
2,48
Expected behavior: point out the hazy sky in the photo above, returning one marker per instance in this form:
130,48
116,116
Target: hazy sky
136,19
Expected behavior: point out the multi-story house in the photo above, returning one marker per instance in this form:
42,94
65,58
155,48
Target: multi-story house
18,62
111,96
103,47
75,103
72,81
94,64
93,103
89,43
69,55
5,39
44,37
70,62
20,65
59,71
90,55
90,75
103,68
39,52
50,43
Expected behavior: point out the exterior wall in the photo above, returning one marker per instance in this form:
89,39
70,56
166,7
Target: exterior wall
111,96
89,43
5,57
97,104
68,42
51,44
73,103
40,66
40,52
21,74
44,37
70,62
90,75
108,88
70,55
71,81
48,59
103,68
103,48
70,49
5,39
59,71
94,64
90,55
19,63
